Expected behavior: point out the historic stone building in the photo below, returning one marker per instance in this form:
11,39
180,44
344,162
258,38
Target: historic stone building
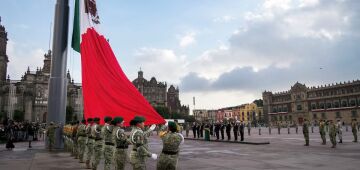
30,94
340,101
157,94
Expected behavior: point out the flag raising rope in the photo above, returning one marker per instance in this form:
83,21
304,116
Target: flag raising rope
106,89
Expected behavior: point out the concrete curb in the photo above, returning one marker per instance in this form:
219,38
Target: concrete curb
225,141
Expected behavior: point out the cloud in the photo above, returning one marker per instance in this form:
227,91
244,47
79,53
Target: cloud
224,19
187,39
164,64
283,42
22,56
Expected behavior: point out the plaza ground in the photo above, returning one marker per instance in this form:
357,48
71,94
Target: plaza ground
285,151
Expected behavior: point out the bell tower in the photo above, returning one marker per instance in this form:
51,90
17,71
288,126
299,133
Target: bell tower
3,57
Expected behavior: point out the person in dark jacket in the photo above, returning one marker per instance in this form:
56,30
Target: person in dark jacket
194,129
202,125
222,128
241,128
30,131
228,130
217,130
236,130
198,130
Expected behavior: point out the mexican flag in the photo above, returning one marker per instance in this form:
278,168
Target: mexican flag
85,16
106,89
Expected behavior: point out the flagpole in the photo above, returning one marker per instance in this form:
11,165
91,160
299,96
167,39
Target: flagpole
58,81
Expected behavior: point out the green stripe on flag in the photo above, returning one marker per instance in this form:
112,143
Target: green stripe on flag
75,42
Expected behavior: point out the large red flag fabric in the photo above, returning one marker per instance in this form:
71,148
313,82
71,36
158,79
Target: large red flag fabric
106,89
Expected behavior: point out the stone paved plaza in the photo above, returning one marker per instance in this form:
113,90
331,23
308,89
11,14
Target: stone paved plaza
284,152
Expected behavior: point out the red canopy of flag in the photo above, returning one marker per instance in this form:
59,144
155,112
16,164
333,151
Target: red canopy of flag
106,89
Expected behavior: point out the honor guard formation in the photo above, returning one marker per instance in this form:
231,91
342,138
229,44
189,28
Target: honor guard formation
89,142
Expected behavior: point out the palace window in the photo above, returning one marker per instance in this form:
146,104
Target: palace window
280,118
344,104
313,106
299,107
290,117
354,114
274,110
352,102
336,104
323,115
338,115
285,117
328,105
322,106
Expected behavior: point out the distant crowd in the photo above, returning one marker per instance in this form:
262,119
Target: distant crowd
15,131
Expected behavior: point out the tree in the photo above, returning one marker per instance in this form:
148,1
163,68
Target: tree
69,114
163,111
19,115
258,102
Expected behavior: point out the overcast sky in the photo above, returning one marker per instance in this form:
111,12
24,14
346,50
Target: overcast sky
224,53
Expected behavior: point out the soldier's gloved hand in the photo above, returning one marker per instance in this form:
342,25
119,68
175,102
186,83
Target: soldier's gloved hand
154,156
152,127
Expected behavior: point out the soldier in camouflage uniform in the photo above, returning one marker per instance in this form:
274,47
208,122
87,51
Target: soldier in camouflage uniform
170,153
90,143
50,133
354,129
98,143
81,140
74,139
121,142
332,133
306,132
140,150
106,132
322,131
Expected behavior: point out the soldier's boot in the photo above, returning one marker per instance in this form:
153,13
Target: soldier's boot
306,143
333,146
340,141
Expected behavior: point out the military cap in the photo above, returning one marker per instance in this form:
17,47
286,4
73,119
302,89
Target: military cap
132,123
89,119
172,126
96,119
118,120
138,119
107,118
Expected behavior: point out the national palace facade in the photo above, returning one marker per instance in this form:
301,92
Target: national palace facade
339,101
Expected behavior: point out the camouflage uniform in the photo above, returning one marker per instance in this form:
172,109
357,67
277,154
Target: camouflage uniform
98,145
121,142
354,130
51,135
106,132
332,134
90,145
339,131
169,157
140,151
74,143
322,132
81,140
306,132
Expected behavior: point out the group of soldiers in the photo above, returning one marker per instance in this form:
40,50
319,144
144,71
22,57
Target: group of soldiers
238,128
219,128
334,130
89,141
